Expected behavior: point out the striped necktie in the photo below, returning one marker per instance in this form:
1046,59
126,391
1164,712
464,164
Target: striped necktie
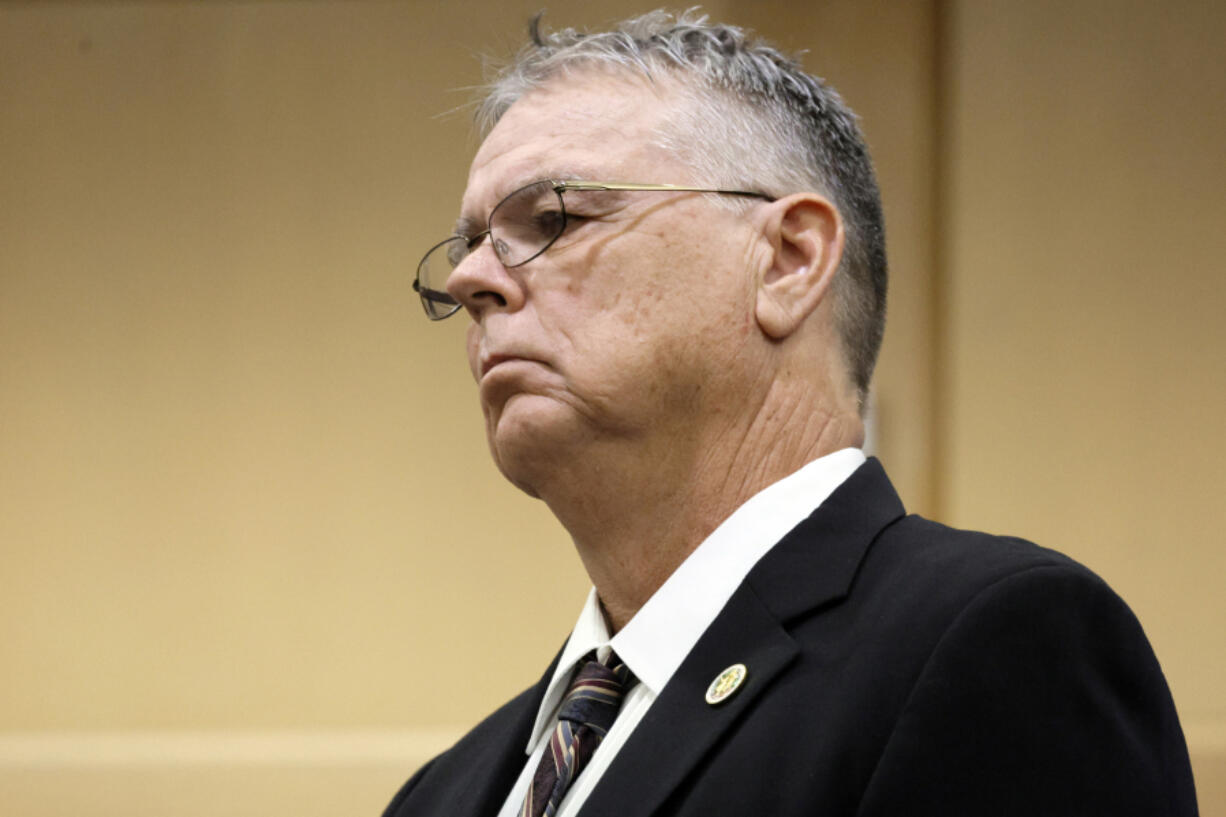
587,712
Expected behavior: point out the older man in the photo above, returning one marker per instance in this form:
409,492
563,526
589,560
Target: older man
670,253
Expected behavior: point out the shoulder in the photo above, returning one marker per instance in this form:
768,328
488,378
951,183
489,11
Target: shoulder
916,565
1025,663
958,586
921,586
932,607
920,543
974,673
930,588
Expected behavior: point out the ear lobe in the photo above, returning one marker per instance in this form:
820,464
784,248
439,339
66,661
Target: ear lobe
806,235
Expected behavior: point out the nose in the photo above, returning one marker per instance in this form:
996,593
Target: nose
481,283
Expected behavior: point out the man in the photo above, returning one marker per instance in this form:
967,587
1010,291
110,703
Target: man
670,253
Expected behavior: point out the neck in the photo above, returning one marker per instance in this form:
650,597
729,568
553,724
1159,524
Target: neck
635,512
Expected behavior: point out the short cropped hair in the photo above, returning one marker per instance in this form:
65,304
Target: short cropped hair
756,121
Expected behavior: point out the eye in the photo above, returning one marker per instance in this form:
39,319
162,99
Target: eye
457,251
549,222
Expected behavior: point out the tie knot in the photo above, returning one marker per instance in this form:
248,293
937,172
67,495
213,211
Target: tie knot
596,693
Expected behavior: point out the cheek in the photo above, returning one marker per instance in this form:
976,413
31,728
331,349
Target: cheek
648,295
658,345
649,304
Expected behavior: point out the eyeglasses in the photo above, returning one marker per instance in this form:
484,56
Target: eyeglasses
521,227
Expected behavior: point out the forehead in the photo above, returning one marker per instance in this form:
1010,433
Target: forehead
602,128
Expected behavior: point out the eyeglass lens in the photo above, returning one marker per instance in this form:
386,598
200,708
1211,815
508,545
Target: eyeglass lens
521,227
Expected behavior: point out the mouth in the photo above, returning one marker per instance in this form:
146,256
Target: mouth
489,362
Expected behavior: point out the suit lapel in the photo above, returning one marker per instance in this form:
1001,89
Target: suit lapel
501,763
816,562
812,566
680,726
500,754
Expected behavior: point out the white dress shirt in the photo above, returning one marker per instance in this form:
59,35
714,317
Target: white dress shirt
662,633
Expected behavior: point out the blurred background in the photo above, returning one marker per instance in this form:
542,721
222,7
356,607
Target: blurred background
251,537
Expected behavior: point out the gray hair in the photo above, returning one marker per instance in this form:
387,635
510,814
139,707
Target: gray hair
757,121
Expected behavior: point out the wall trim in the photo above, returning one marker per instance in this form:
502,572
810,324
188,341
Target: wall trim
311,748
403,748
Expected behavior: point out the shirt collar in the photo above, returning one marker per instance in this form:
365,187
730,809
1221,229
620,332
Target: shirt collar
662,633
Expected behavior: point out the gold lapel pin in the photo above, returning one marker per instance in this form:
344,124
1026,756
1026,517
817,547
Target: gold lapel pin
726,684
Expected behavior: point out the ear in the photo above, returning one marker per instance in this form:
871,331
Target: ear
805,232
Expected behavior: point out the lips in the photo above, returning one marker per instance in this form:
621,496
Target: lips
488,362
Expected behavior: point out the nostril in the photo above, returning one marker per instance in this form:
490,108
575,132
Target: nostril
489,293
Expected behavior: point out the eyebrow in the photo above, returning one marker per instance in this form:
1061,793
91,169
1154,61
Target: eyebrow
467,227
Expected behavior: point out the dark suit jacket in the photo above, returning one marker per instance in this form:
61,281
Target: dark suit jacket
896,667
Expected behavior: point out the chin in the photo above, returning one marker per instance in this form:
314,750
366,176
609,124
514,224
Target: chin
532,447
523,475
521,484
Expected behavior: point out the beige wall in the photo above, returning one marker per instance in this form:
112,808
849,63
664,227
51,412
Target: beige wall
1084,349
246,514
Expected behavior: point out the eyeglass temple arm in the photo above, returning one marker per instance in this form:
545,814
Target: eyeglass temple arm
434,295
561,186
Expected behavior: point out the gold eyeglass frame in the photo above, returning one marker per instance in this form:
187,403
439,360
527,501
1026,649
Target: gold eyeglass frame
439,305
